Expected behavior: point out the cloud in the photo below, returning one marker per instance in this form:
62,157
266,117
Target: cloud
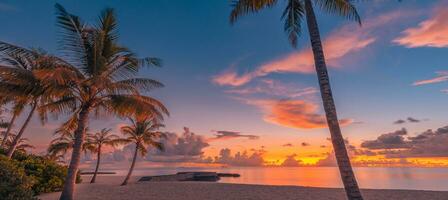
340,43
442,76
288,145
224,135
413,120
393,140
400,121
187,146
274,88
432,32
409,119
240,159
426,144
298,114
290,161
305,144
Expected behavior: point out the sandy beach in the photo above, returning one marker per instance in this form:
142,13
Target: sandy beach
108,187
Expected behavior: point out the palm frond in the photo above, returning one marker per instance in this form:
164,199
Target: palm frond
293,16
244,7
343,8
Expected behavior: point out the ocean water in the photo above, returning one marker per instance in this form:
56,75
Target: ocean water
368,177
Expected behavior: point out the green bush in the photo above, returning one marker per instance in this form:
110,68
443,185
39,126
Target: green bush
46,175
14,183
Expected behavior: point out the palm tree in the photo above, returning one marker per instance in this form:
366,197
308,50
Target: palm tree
97,141
99,78
17,109
64,143
295,12
22,144
143,133
20,83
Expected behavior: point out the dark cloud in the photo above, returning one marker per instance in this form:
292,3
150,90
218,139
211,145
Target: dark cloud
409,119
291,161
187,146
323,146
400,121
413,120
393,140
305,144
288,145
240,159
429,143
223,135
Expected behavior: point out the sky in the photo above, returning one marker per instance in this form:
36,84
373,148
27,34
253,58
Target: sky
243,88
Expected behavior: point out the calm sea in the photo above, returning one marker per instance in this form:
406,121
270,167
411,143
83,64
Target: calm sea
368,177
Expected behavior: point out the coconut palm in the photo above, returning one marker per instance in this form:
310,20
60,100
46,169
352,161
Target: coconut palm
17,109
144,134
294,14
99,78
64,143
97,141
19,82
22,144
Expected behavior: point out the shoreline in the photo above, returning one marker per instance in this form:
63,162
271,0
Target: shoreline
108,188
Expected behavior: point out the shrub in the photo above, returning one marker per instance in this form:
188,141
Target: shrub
46,175
14,183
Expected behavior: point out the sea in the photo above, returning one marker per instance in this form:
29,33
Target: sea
435,179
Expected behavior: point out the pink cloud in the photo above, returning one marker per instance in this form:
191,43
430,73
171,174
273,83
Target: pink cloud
274,88
442,76
340,43
432,32
293,113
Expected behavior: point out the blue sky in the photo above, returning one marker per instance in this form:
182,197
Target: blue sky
372,85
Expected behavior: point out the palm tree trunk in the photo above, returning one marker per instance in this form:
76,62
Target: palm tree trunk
13,146
98,158
125,182
345,168
8,130
70,180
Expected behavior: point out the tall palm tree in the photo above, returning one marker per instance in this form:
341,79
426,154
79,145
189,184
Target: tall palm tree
143,132
20,83
97,141
99,78
293,15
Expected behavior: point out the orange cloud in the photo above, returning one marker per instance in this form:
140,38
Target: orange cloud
337,45
442,77
293,113
432,32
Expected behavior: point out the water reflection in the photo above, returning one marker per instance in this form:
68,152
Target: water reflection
368,177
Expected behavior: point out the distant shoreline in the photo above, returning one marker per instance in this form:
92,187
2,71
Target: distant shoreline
108,188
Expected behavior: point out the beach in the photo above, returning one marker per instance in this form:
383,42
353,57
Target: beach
108,188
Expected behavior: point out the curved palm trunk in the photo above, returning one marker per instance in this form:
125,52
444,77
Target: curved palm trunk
98,158
8,130
345,168
132,166
70,180
14,143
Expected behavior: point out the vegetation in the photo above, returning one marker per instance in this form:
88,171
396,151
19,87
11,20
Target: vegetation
294,14
14,184
32,175
143,132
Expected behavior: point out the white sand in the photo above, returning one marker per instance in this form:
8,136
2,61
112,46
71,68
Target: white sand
108,188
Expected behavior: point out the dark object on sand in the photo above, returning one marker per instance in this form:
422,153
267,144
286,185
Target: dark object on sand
228,175
189,176
90,173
